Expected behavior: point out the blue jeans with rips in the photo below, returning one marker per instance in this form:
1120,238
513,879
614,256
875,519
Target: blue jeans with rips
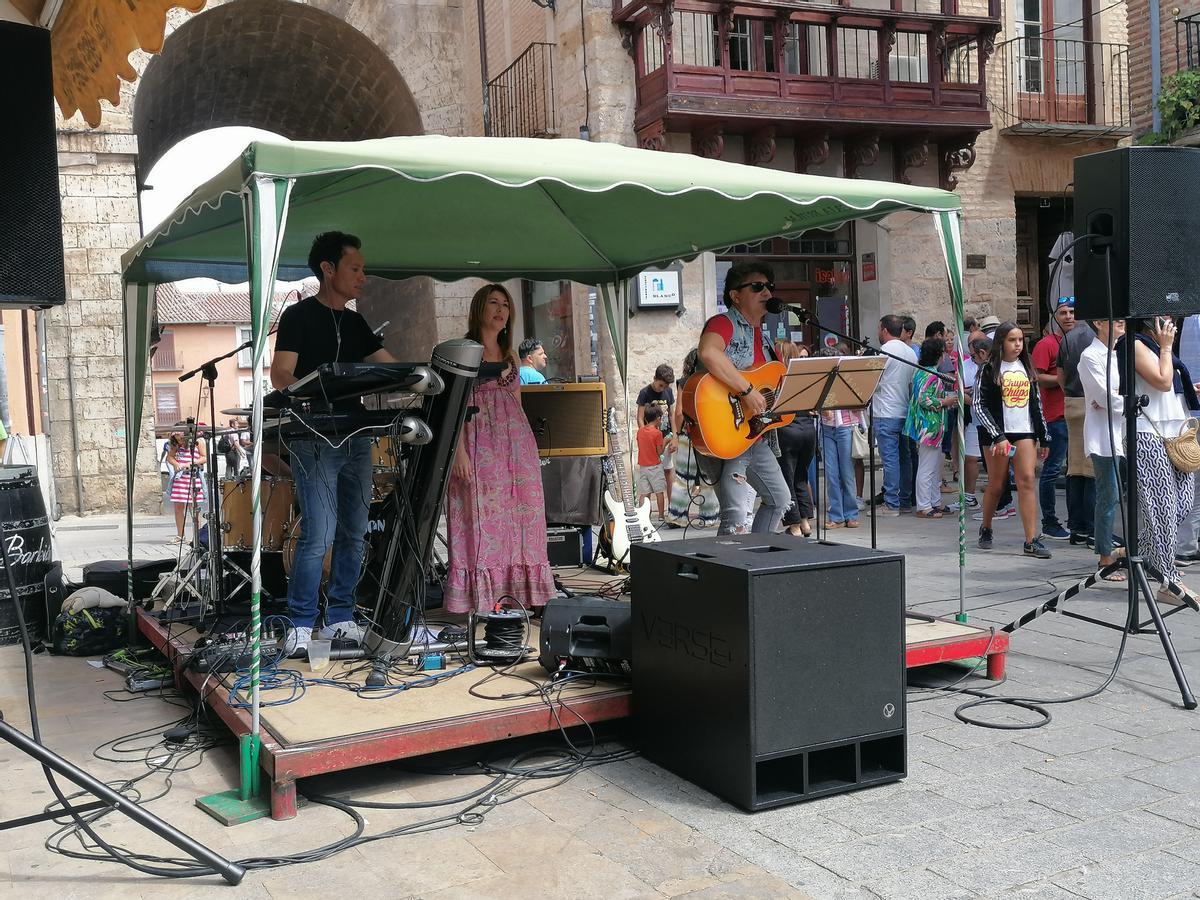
897,465
1051,469
759,468
333,487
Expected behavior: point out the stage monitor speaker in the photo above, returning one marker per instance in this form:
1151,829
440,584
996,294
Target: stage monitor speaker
567,419
31,241
769,670
1143,205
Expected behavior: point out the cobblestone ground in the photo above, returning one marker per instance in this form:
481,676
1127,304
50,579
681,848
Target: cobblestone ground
1103,802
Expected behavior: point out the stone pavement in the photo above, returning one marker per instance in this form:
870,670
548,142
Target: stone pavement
1103,802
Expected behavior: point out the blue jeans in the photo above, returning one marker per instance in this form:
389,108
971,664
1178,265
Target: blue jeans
758,467
333,486
1081,503
1051,469
1106,502
897,465
839,472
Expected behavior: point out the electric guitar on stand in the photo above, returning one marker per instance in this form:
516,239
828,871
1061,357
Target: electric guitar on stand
625,523
720,427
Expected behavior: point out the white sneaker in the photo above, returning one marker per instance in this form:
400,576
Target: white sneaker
345,631
295,642
1006,513
972,502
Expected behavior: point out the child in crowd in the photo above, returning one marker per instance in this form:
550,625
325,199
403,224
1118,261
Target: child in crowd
651,480
1007,405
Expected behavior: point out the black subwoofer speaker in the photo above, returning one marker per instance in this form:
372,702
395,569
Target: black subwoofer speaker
1142,204
31,243
769,670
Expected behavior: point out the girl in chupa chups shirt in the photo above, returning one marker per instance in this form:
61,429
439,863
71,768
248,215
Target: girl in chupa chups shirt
1008,408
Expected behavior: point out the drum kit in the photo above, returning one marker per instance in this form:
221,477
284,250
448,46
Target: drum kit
281,527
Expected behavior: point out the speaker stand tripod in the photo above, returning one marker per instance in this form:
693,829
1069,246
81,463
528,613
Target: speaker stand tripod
1138,584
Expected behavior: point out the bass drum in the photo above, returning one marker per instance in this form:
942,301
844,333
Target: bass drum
237,513
290,541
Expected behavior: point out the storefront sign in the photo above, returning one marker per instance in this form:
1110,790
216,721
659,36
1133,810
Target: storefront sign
659,288
868,267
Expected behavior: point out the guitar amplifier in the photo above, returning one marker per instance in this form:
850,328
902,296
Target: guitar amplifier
564,545
566,419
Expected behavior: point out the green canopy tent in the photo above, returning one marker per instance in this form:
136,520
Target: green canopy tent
494,208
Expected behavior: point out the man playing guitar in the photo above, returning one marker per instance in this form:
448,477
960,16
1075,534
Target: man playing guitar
733,342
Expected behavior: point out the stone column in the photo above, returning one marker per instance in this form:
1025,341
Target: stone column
84,336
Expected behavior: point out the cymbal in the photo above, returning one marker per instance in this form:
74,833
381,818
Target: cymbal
241,411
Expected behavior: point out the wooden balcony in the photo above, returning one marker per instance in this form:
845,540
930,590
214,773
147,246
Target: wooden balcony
1059,86
891,69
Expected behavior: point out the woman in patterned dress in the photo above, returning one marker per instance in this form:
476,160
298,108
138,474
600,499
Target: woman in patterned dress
496,516
187,484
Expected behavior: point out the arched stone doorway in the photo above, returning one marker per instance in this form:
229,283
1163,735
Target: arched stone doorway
301,72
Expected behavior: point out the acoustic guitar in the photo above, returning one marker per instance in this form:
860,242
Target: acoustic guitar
717,423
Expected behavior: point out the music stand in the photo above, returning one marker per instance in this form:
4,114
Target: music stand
816,384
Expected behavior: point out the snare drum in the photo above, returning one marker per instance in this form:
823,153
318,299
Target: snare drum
237,512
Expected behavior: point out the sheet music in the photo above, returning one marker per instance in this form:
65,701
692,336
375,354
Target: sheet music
817,383
857,378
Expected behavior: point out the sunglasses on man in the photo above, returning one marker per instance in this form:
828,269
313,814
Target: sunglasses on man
757,286
1064,301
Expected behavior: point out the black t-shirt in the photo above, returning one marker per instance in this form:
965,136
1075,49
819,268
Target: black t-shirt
664,400
318,334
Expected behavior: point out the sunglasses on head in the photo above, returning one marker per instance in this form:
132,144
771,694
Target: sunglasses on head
757,286
1064,301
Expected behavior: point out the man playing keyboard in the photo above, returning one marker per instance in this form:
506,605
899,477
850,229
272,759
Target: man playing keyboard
333,478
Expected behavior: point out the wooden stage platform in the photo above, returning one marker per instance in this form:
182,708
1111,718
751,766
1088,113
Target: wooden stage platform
329,729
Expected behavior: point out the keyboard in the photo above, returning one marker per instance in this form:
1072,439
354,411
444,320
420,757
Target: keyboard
337,381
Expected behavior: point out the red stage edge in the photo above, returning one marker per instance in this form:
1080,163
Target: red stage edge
982,642
284,763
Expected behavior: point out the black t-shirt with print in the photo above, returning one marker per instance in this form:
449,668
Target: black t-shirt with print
664,400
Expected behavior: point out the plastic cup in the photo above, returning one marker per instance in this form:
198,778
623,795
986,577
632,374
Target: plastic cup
318,655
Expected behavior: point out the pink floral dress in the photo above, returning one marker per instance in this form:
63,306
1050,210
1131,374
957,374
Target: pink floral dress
496,521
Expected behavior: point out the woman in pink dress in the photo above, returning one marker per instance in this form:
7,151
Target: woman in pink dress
187,484
496,517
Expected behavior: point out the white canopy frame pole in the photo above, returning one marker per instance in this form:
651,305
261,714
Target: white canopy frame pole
137,315
265,199
949,229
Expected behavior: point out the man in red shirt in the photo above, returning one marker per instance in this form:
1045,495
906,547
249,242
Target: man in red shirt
733,342
1045,361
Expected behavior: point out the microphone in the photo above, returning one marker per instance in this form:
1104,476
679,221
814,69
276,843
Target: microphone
777,306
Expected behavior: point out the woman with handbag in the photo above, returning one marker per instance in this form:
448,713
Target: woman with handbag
1165,490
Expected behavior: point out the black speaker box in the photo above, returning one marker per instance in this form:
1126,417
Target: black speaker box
113,576
586,634
1143,204
769,670
31,243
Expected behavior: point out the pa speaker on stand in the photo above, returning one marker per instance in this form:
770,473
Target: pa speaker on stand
31,242
1138,204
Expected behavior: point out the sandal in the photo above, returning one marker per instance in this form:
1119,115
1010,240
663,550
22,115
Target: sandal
806,527
1112,576
795,531
830,524
851,523
931,514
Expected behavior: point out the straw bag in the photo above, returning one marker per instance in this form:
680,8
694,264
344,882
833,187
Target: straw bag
1183,451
